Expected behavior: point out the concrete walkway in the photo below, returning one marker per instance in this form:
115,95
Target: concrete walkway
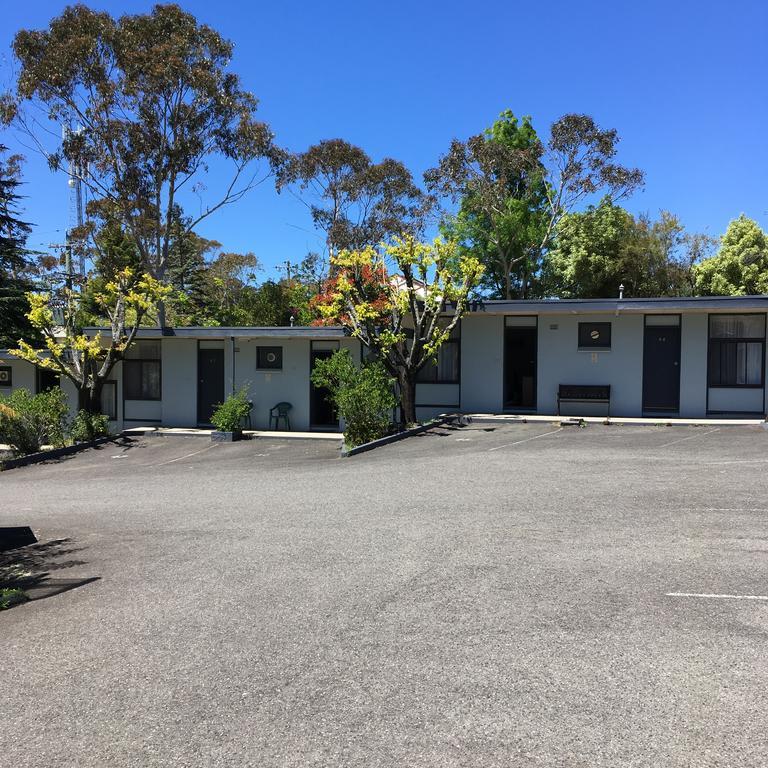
182,432
507,418
273,434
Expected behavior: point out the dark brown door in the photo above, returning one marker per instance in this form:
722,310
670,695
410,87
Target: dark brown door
520,351
210,382
661,368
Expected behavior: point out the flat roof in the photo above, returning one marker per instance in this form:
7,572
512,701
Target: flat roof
226,332
651,305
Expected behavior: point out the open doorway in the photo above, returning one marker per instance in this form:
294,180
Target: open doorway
322,413
520,362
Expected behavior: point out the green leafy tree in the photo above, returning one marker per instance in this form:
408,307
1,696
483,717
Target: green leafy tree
153,101
189,257
498,179
363,396
604,247
402,301
14,262
279,303
514,191
113,251
230,282
740,266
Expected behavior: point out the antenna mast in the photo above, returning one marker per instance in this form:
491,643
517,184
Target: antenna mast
76,218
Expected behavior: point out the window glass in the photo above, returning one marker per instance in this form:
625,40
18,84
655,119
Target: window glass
595,335
132,379
109,400
144,350
150,380
737,326
446,369
735,363
526,321
141,379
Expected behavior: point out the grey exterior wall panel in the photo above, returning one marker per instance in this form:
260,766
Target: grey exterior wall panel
694,341
482,363
560,361
447,395
23,375
179,382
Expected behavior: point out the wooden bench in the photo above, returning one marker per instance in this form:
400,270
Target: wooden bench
599,394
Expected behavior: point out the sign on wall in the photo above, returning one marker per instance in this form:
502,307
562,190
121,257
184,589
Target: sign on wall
6,376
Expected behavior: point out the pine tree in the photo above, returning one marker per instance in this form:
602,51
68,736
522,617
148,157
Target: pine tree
14,264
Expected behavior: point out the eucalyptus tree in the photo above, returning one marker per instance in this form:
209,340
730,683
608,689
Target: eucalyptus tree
498,180
150,101
352,200
513,190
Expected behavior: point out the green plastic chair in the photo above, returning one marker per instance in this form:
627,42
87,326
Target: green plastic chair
280,411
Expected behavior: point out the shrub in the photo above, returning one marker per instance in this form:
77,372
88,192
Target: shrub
10,596
364,396
29,421
87,427
229,415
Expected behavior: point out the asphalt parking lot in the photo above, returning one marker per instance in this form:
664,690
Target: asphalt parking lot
520,595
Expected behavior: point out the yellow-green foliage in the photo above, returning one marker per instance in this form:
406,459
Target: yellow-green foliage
402,300
125,301
740,266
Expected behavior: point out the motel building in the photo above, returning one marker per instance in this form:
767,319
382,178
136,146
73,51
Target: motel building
690,358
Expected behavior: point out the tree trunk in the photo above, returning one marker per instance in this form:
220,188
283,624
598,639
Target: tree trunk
407,385
89,398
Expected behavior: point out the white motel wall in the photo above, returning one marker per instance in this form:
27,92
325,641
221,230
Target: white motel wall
688,358
169,376
637,362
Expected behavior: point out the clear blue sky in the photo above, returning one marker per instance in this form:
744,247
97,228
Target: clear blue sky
683,82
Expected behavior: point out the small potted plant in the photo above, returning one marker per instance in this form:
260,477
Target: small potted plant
228,417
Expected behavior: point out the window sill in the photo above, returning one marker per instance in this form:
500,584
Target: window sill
735,386
430,383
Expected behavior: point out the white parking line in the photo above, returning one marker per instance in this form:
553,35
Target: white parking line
194,453
718,597
527,439
690,437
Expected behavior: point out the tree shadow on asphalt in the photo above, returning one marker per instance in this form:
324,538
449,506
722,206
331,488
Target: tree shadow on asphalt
124,443
29,568
445,430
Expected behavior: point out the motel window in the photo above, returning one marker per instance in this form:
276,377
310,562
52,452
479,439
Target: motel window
109,400
141,371
594,335
445,370
269,358
47,379
736,350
